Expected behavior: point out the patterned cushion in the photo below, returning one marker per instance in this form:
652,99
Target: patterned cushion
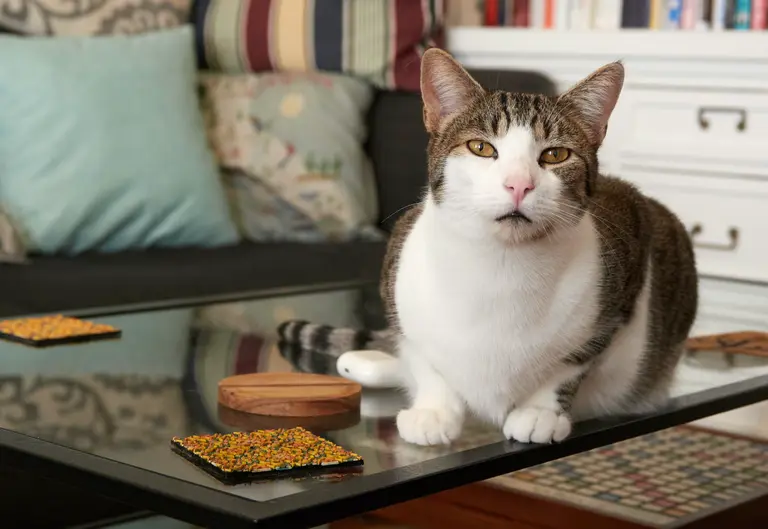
291,146
92,17
379,40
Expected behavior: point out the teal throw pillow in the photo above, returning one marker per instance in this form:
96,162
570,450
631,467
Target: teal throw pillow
103,145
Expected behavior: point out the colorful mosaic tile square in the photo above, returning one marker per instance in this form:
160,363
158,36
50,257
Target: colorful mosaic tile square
658,479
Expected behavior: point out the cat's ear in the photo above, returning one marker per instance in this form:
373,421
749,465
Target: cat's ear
446,88
594,98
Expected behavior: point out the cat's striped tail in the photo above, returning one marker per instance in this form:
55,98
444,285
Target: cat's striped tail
333,341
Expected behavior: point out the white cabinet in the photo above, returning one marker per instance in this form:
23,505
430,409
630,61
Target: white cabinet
690,130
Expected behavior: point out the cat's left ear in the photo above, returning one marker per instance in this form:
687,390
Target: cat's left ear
594,98
446,88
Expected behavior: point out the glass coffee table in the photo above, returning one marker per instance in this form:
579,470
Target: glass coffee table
100,416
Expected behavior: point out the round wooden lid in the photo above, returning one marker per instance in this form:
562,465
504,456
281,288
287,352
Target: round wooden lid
289,394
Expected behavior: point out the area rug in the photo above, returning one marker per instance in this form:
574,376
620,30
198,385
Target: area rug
664,479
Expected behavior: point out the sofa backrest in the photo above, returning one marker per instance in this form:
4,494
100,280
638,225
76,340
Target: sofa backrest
397,141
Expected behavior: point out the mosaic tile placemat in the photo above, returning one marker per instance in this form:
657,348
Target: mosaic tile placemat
657,479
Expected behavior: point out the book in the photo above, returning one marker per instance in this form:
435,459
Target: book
730,12
689,14
759,14
742,14
657,14
536,14
491,13
549,14
563,12
582,13
520,10
635,14
606,14
704,12
673,11
719,14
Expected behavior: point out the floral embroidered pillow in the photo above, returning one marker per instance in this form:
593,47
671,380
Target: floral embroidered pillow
291,147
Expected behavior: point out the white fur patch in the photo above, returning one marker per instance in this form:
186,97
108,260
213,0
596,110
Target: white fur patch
487,324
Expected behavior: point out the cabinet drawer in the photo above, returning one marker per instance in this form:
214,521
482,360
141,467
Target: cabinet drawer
692,128
727,219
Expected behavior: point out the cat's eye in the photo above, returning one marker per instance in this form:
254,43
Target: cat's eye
555,155
481,148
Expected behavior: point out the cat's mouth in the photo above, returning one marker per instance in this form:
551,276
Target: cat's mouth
514,216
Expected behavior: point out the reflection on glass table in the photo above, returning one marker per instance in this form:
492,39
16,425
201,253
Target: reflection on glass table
109,410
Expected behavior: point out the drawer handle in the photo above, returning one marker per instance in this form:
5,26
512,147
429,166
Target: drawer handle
733,235
741,126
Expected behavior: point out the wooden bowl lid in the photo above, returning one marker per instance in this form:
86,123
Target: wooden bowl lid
289,394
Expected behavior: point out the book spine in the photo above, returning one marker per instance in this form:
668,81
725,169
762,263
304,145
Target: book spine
563,11
501,16
536,14
730,11
689,15
636,14
491,12
520,14
549,14
759,14
657,14
741,14
582,14
674,11
607,14
719,8
704,20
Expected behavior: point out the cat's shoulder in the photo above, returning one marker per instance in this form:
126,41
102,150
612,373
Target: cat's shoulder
400,231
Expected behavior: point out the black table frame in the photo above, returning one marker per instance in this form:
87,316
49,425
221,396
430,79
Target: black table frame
212,508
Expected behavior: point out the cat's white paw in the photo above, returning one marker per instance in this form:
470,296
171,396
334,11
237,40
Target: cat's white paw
536,425
428,426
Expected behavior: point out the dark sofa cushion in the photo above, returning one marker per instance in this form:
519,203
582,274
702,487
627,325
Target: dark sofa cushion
88,281
397,141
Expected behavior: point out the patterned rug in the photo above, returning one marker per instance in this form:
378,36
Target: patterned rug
669,477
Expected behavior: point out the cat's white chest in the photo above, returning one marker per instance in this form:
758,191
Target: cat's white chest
494,321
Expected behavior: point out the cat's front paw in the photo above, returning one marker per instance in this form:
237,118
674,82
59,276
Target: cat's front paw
536,425
428,426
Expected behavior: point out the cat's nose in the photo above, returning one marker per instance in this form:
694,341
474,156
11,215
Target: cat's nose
518,188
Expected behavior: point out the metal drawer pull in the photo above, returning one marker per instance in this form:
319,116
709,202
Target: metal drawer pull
741,126
733,235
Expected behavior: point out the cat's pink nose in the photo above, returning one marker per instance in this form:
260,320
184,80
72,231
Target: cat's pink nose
519,188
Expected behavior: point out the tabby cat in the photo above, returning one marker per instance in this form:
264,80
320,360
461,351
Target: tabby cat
527,288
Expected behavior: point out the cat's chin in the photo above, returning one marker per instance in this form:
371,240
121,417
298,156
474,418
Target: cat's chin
518,230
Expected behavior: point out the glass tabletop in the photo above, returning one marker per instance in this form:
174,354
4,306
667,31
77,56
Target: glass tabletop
102,414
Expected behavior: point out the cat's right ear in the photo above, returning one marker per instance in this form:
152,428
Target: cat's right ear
446,88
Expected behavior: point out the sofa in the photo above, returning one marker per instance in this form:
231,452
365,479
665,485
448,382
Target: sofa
396,146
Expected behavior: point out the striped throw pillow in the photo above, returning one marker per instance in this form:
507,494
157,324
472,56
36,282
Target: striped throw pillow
379,40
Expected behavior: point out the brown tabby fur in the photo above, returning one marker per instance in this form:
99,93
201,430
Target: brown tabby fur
631,227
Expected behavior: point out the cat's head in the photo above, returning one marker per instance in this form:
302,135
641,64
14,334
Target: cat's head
518,166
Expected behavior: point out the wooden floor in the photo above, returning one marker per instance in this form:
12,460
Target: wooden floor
487,507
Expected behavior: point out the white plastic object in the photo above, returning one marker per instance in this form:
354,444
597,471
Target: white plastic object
370,368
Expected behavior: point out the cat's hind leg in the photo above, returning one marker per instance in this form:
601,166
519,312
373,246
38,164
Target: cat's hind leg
436,415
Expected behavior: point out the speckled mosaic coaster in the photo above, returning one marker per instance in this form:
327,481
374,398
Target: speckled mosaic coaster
657,479
45,331
247,456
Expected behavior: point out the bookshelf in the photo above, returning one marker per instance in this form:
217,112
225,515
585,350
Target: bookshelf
728,59
668,15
